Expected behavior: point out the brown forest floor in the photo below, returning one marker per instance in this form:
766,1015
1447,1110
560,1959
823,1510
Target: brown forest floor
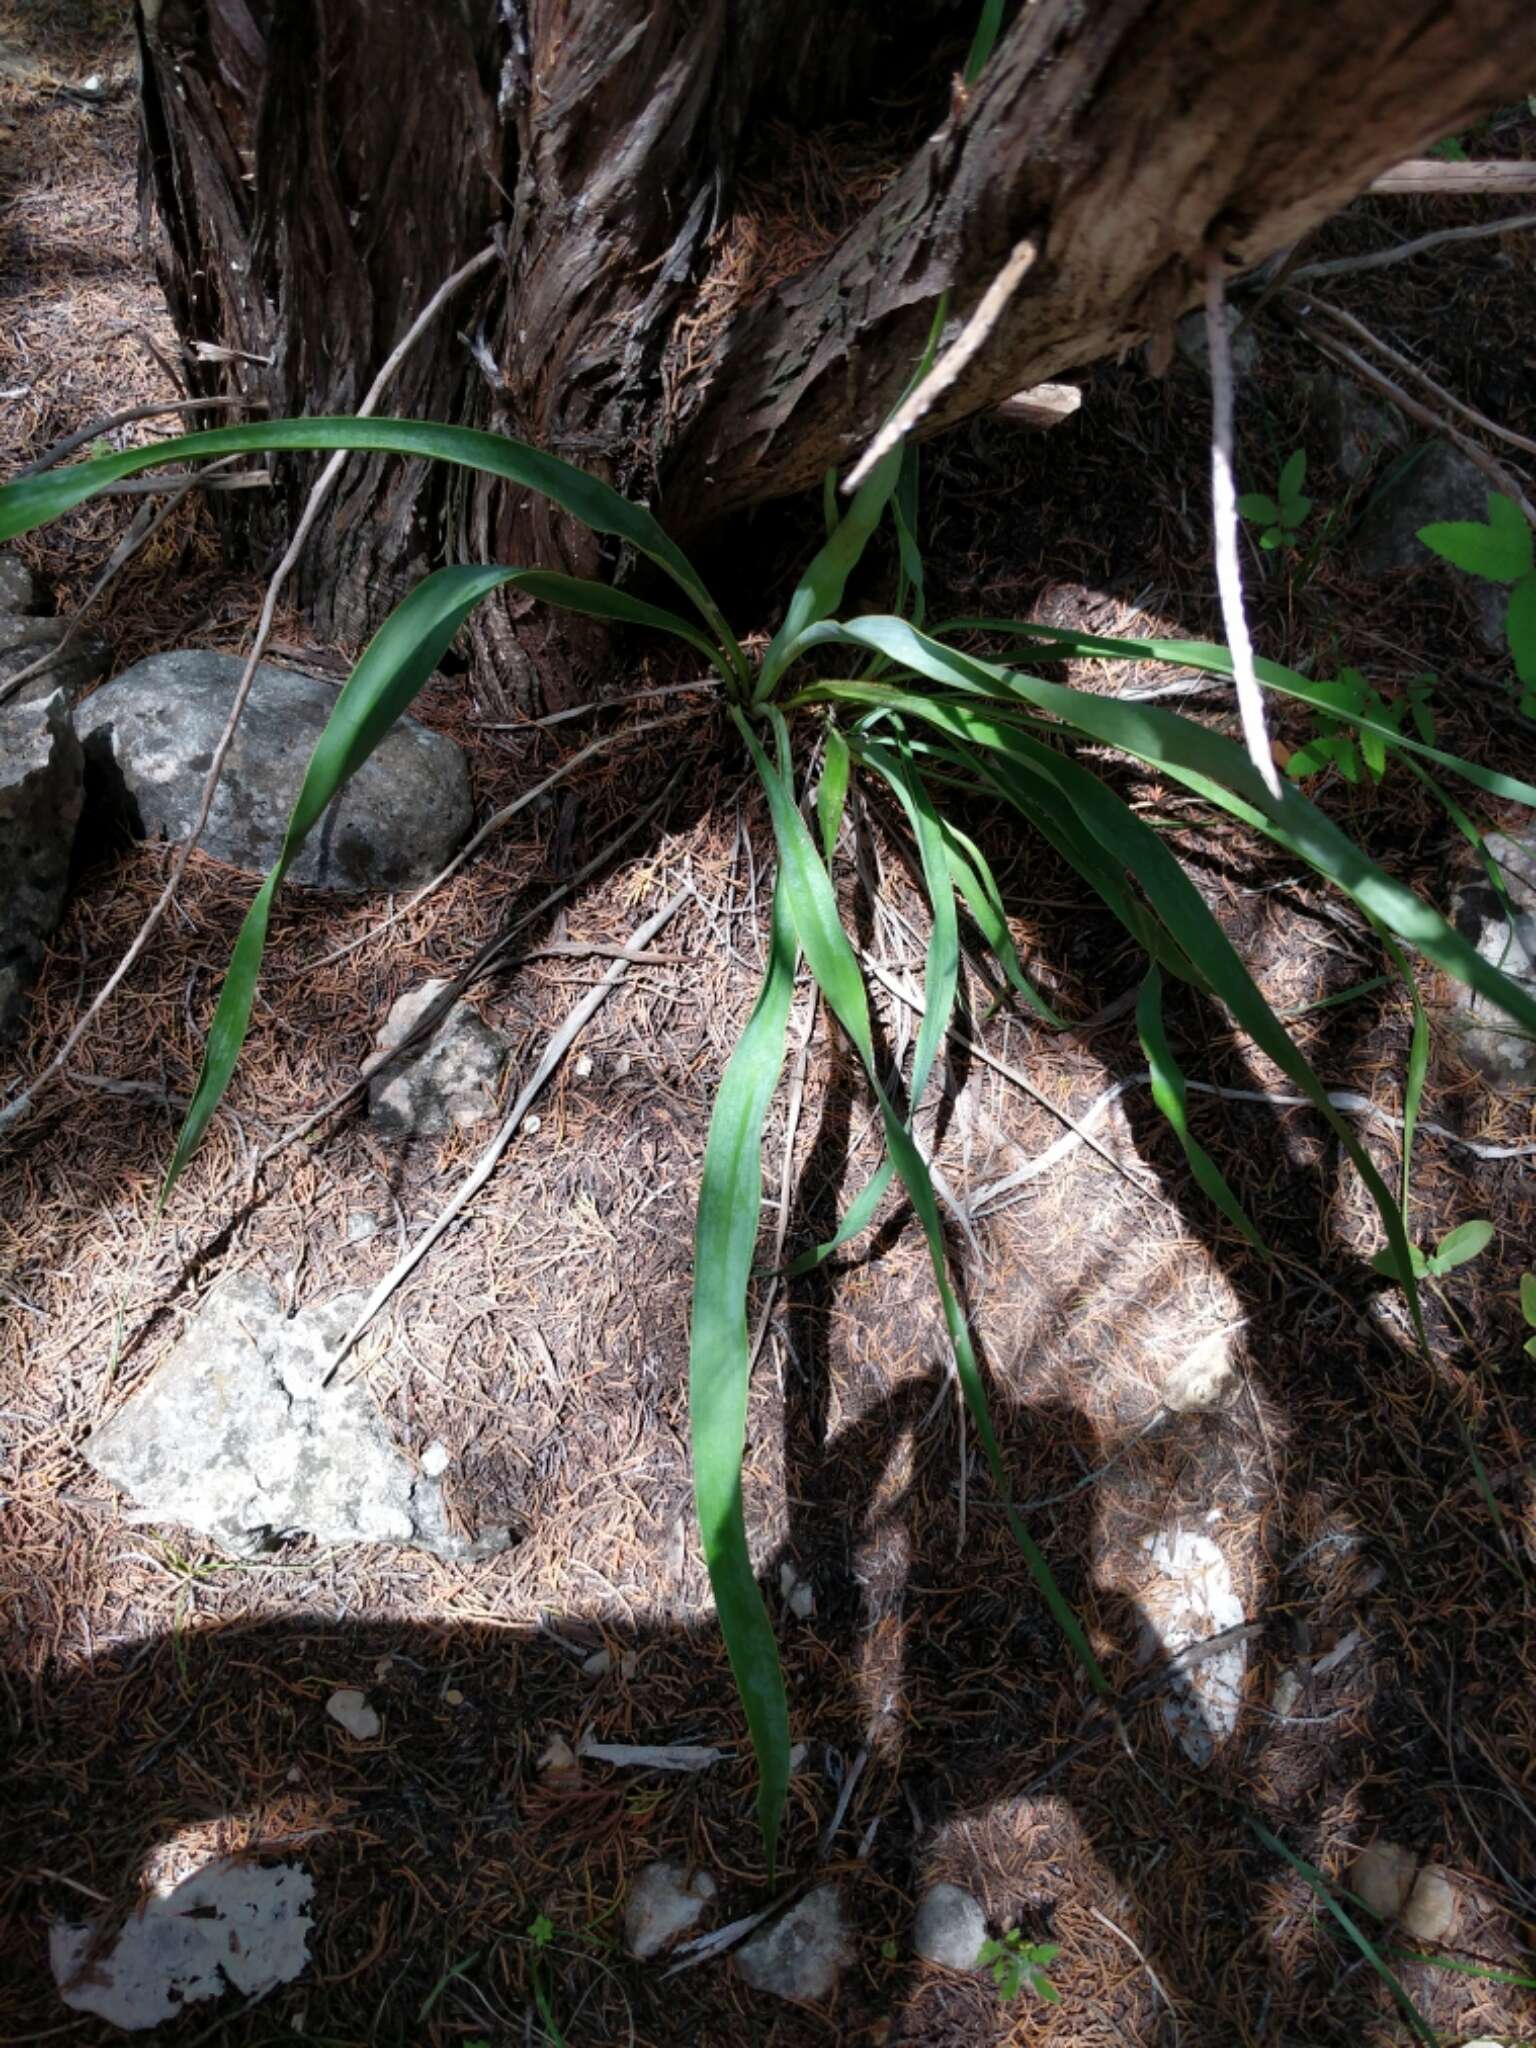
156,1694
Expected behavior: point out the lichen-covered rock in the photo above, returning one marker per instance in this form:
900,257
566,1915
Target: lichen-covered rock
150,736
802,1954
1354,430
18,586
1440,484
1491,1041
235,1435
446,1081
24,642
40,796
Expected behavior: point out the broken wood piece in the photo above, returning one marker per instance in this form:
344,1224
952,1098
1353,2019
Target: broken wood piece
1434,174
1042,405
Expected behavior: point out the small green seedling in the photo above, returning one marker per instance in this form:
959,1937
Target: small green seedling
1467,1241
1500,552
1450,150
1343,741
1281,516
1019,1965
1528,1309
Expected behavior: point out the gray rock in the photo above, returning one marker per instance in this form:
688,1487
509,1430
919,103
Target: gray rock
446,1082
665,1901
18,586
40,798
950,1928
1442,483
801,1954
1492,1042
149,739
234,1435
1189,338
1354,432
23,642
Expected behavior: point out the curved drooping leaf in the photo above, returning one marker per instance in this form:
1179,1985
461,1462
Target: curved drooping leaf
395,665
1171,1096
725,1236
34,500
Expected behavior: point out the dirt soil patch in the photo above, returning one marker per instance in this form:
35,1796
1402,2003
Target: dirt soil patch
165,1704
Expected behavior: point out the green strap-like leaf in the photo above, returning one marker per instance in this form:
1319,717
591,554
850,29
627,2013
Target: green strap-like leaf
396,664
1171,1097
978,885
831,958
1213,660
730,1202
35,500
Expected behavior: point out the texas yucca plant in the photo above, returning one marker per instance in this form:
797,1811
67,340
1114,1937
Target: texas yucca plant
922,713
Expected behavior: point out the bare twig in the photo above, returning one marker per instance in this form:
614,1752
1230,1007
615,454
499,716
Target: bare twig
1344,266
1502,479
931,388
503,817
1229,575
21,1103
1422,376
97,428
555,1049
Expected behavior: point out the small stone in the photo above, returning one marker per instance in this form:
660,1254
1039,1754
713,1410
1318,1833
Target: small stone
799,1594
629,1664
800,1955
40,799
1396,1885
1288,1690
584,1066
361,1225
598,1665
533,1125
353,1712
1193,345
446,1081
1206,1378
236,1435
435,1460
1440,484
149,739
950,1928
452,1697
18,586
558,1759
666,1901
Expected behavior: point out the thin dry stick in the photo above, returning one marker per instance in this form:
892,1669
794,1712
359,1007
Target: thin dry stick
1345,1099
558,1044
504,817
596,704
97,428
1229,575
20,1104
1422,376
147,523
1502,479
1152,1976
954,359
1344,266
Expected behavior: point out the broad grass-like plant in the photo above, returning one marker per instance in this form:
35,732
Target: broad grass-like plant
933,716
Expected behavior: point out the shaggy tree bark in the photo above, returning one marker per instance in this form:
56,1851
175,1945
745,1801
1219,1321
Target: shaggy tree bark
317,166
